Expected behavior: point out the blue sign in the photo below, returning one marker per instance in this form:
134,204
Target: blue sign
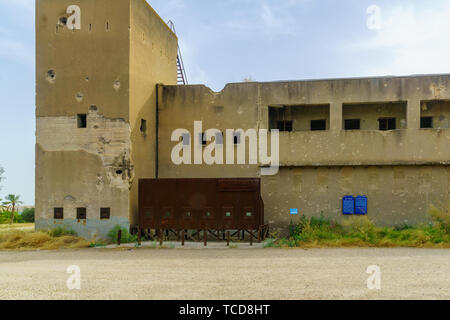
294,211
348,205
361,205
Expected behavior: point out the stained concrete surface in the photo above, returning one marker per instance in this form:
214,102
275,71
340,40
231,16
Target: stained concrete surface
226,274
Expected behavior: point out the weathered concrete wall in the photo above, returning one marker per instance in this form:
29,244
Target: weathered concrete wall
397,194
324,156
108,69
83,167
153,56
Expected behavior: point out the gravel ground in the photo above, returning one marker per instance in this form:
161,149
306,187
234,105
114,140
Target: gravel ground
226,274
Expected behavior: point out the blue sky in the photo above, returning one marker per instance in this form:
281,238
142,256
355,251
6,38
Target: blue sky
230,40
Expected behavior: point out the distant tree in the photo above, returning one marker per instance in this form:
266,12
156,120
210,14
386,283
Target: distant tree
11,202
28,215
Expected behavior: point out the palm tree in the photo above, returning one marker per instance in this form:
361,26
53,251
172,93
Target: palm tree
12,202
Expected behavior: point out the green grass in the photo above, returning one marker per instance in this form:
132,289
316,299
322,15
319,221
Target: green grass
360,231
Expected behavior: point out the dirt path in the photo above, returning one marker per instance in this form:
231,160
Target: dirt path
226,274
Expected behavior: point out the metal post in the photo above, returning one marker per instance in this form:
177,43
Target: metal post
205,238
228,238
161,237
139,236
182,238
251,238
119,237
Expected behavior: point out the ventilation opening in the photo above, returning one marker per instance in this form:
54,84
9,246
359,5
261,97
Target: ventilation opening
318,125
107,25
81,213
119,172
143,127
82,121
386,124
435,114
426,122
294,118
105,213
376,115
58,213
352,124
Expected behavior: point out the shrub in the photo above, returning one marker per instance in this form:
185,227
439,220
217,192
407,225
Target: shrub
440,217
28,215
126,236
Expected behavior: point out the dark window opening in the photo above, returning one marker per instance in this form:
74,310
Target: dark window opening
202,137
237,138
352,124
143,127
284,126
105,213
58,213
81,213
82,121
318,125
426,122
387,124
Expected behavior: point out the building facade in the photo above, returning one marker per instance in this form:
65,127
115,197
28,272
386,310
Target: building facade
108,102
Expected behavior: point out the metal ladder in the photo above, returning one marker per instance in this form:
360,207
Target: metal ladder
181,72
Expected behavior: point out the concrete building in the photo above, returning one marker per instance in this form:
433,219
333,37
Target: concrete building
108,102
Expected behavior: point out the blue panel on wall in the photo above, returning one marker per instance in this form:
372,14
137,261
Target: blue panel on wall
361,205
294,211
348,205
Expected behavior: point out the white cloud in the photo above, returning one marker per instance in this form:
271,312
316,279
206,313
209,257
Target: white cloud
411,40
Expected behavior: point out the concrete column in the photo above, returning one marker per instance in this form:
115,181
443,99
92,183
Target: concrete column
413,114
336,116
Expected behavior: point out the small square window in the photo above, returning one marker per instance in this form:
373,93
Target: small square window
82,121
426,122
188,214
227,214
105,213
208,214
81,213
284,126
58,213
352,124
249,214
318,125
386,124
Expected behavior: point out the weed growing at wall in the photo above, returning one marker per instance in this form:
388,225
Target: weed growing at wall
125,238
360,231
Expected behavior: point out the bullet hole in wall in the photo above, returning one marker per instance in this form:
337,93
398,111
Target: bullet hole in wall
79,96
93,108
63,20
119,172
51,75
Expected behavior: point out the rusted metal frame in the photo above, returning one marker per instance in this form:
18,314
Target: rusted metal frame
213,232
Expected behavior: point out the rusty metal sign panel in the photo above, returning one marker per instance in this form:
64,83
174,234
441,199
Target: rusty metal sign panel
199,204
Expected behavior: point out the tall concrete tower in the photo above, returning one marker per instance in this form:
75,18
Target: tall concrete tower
97,66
